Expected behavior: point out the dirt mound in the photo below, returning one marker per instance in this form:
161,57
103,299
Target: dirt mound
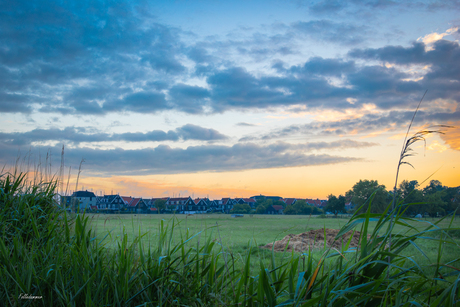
314,239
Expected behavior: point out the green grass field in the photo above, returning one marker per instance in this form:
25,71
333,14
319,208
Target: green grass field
235,234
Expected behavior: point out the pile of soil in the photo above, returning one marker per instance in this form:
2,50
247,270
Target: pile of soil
314,239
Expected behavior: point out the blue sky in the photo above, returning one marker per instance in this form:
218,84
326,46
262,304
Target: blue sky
230,98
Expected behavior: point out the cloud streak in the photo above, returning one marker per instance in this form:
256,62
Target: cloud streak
77,135
368,123
213,158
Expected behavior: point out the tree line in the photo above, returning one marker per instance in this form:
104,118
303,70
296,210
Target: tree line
434,200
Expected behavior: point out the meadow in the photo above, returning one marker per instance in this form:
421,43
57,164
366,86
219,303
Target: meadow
237,234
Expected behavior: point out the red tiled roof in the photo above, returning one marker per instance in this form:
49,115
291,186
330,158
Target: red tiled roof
277,207
315,202
153,209
134,202
249,200
289,201
127,199
94,207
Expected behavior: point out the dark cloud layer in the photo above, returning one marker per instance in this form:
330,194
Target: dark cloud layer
98,58
215,158
78,135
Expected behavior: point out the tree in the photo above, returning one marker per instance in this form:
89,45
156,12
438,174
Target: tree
279,203
300,207
262,204
406,188
409,194
160,204
261,209
435,205
361,192
433,187
289,210
317,210
451,196
336,205
241,208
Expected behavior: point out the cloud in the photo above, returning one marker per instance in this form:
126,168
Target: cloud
325,67
141,102
441,78
452,137
76,58
330,31
215,158
190,99
243,124
78,135
366,124
192,132
362,8
433,37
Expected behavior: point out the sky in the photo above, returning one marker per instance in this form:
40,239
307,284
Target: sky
230,98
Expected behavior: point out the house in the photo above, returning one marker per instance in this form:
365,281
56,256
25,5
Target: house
179,204
132,203
227,204
262,197
110,203
248,201
314,202
151,203
86,199
66,201
199,206
137,205
349,205
213,206
274,209
126,200
289,201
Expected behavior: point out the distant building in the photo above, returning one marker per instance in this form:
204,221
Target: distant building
289,201
179,204
247,201
262,197
111,203
274,209
86,199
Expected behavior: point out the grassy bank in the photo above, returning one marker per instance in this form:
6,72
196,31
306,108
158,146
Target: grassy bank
213,260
